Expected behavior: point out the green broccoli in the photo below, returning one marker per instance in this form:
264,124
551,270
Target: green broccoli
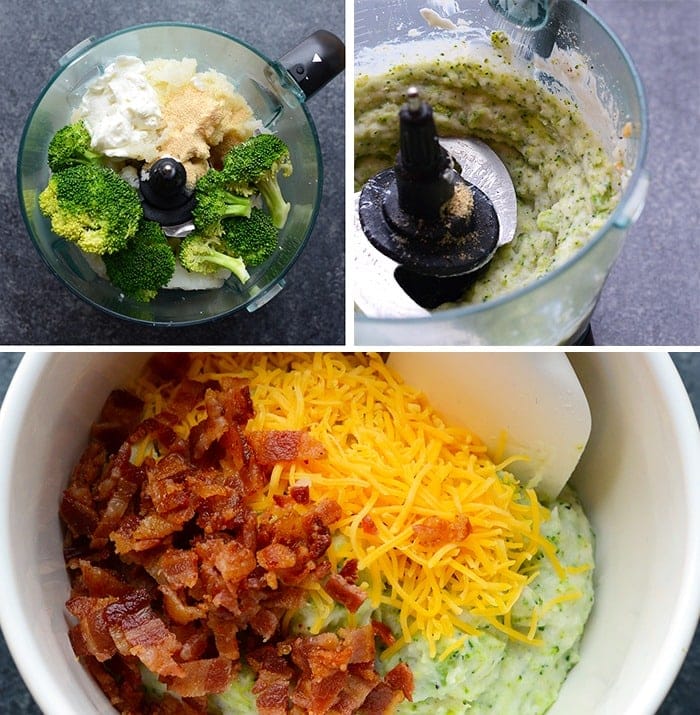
257,162
145,265
70,146
205,253
253,239
93,207
213,202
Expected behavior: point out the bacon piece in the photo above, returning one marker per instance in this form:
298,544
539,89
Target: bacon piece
78,510
381,700
383,632
368,526
167,487
91,636
319,656
203,677
100,582
272,446
276,557
187,395
225,629
195,641
318,696
177,609
300,493
120,413
168,367
141,533
344,592
273,680
137,630
349,571
232,560
175,568
120,680
128,481
360,644
225,409
358,684
170,705
160,430
436,531
400,678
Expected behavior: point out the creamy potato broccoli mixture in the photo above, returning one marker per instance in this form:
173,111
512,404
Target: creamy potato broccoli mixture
566,182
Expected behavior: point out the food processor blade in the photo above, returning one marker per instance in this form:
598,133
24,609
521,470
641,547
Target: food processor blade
402,271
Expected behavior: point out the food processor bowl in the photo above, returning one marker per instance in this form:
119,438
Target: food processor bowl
556,308
275,98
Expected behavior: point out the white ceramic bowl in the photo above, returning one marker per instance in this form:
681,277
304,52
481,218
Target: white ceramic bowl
638,480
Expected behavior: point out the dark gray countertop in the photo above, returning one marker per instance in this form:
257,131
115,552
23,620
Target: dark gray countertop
36,308
653,292
683,698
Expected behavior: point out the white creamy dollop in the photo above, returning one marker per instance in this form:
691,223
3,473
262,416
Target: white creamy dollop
121,110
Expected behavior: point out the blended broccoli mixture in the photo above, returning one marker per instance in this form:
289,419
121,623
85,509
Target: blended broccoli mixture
489,673
566,184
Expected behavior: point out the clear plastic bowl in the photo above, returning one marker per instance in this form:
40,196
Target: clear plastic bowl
274,97
555,309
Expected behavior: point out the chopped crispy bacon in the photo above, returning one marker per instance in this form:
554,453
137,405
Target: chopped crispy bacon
91,636
128,479
225,409
120,679
381,700
142,533
225,629
285,446
300,493
100,582
120,414
173,566
203,677
187,395
167,483
137,630
168,367
368,526
400,678
78,510
349,571
435,531
383,632
232,560
276,557
176,607
344,592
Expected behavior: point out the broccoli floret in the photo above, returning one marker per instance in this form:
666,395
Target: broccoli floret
213,202
258,161
93,207
70,146
253,239
145,265
203,253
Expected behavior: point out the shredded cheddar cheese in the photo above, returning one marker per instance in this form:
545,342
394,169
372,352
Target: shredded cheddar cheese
393,465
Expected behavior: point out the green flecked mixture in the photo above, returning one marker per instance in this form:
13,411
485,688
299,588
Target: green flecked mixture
489,673
565,182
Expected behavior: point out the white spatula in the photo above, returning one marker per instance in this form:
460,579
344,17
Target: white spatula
534,398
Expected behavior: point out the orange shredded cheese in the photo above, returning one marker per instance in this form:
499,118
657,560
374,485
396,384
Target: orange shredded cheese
392,459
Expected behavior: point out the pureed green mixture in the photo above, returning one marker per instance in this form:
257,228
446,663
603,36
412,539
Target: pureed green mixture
566,183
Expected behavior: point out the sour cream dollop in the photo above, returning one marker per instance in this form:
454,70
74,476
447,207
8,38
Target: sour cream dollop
122,112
